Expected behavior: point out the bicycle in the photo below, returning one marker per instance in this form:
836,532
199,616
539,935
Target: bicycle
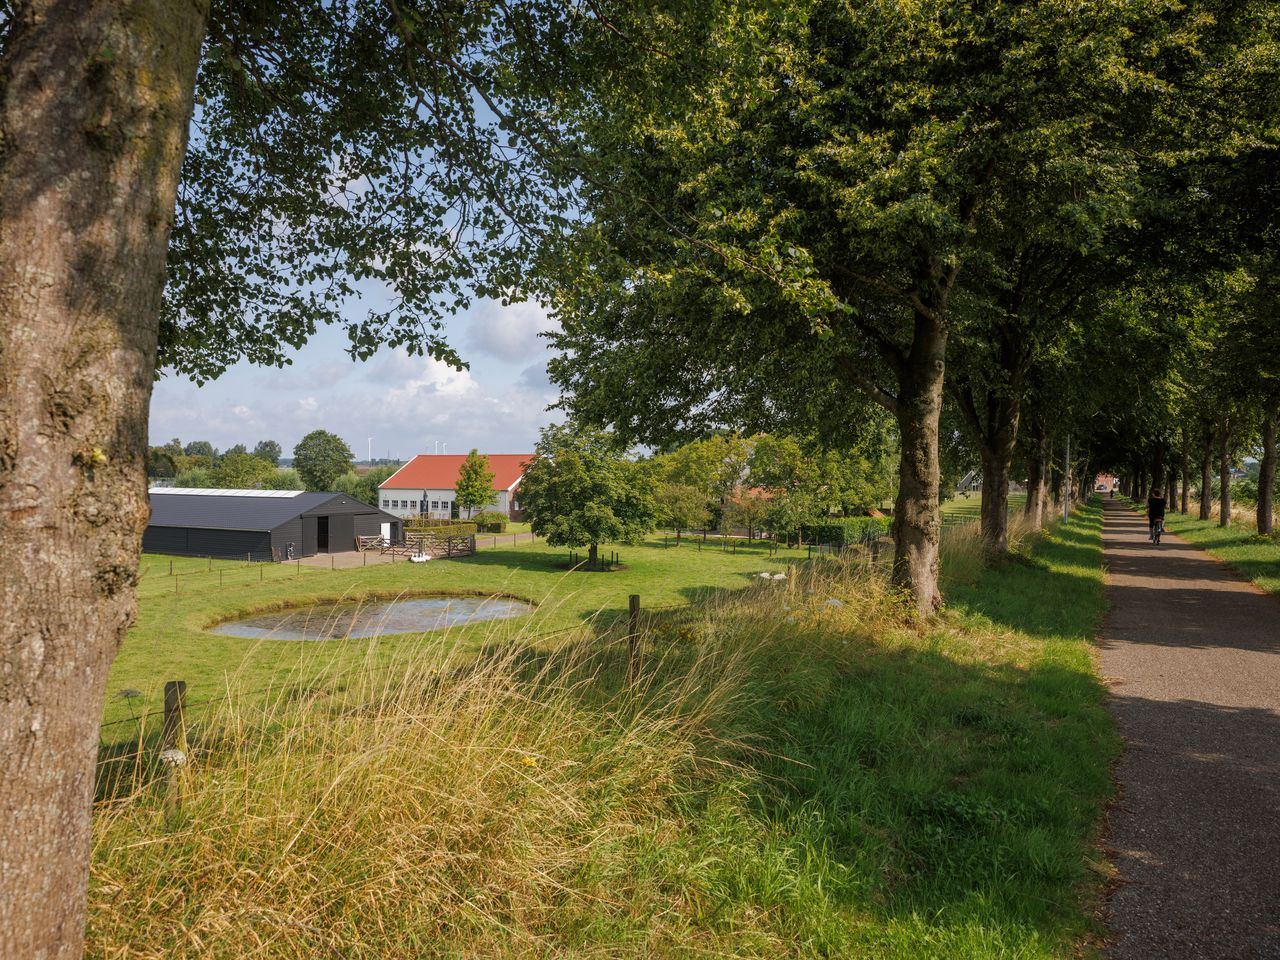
1157,528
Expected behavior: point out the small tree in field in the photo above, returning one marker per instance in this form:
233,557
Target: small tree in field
747,509
682,506
581,492
321,458
475,483
789,511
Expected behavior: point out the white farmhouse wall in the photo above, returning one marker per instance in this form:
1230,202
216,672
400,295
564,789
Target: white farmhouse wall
407,503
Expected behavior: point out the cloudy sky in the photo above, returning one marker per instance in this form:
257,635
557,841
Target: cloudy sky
404,403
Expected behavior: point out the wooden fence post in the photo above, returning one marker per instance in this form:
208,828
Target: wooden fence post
633,639
791,577
173,733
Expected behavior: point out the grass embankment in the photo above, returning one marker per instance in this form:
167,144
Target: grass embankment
170,642
1239,546
803,774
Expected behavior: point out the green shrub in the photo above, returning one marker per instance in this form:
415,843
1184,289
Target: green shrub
441,528
490,521
847,531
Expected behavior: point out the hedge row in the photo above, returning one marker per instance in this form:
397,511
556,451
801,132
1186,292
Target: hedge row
490,521
847,531
442,528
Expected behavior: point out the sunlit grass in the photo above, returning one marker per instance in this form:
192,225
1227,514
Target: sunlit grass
799,772
1237,545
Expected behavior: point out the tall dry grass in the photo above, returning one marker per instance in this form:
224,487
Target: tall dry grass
965,554
521,803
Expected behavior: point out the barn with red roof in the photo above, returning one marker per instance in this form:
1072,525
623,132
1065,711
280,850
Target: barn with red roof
426,485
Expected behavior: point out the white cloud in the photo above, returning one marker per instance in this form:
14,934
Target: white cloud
511,332
431,379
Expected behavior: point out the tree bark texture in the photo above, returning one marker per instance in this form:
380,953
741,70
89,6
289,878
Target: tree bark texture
95,101
917,520
1186,473
1224,476
1267,476
1206,475
1037,474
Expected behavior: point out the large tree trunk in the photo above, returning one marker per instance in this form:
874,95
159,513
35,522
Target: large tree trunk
996,467
1224,468
1206,475
1037,471
95,100
1186,472
917,521
1267,475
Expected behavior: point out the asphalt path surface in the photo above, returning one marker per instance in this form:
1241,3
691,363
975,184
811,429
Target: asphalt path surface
1191,652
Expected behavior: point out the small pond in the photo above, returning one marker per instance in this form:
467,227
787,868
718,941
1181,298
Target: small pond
373,618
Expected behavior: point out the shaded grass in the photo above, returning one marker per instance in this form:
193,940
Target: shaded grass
803,774
1239,546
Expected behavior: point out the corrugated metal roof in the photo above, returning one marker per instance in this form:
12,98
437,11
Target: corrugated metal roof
222,492
224,510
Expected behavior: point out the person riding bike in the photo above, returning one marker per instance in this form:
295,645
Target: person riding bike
1155,515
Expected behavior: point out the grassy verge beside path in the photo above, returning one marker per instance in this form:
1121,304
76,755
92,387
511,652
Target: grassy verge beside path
803,774
1238,546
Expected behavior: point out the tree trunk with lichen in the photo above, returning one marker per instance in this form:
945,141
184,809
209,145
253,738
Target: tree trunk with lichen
95,101
1037,476
917,517
1267,475
1224,475
1206,474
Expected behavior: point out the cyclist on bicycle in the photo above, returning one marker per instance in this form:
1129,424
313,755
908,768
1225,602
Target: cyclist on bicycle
1155,515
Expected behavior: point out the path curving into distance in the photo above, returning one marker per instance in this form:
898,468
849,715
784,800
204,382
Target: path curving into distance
1191,654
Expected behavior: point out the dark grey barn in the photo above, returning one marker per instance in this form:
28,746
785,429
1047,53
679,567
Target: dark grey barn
260,524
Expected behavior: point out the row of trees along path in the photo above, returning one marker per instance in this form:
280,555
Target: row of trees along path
1035,227
1192,654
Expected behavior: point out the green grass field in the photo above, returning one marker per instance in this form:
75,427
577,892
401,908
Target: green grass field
807,774
169,641
1238,545
962,509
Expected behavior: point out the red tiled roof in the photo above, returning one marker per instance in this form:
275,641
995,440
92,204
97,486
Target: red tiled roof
439,471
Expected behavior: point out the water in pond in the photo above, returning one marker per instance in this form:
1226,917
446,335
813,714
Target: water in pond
334,621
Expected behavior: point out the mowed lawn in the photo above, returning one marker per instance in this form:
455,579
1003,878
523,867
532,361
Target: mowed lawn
170,640
967,509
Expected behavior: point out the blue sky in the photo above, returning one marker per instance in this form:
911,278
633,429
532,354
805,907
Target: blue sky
405,403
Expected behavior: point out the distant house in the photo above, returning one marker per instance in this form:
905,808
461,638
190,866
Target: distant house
260,524
427,485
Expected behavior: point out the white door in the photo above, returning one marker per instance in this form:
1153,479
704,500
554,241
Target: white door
386,532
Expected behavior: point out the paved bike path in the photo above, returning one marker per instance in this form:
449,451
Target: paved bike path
1191,652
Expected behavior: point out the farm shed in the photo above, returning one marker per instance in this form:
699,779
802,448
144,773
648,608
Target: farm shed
260,524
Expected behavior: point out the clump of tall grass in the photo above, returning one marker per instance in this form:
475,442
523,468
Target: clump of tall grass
520,803
965,554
